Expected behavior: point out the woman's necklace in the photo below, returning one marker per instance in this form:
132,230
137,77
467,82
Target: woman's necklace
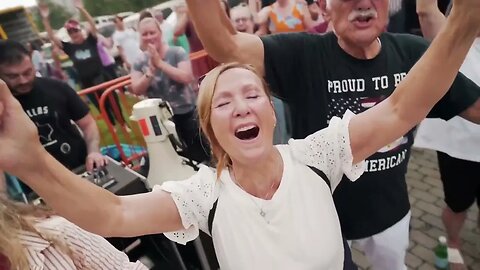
262,212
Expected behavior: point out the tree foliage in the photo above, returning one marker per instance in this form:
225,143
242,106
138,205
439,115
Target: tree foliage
109,7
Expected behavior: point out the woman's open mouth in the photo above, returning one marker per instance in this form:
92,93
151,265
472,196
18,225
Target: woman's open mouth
246,133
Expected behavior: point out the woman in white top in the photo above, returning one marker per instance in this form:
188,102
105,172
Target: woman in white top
273,212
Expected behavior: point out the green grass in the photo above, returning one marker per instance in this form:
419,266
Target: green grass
105,134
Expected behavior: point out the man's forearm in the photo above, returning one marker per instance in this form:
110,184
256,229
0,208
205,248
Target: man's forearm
181,26
430,17
456,40
92,138
409,104
91,22
50,33
213,27
253,5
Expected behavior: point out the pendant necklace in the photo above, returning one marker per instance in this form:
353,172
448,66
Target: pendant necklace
262,212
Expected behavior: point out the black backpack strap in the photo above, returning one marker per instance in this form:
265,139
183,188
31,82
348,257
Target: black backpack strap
322,175
211,216
348,263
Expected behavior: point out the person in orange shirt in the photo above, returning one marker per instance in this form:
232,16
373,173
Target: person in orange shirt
284,16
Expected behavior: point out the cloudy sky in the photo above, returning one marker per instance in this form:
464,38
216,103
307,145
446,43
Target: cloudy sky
13,3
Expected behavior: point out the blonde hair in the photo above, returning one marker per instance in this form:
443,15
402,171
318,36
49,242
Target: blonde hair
12,221
148,18
240,7
204,107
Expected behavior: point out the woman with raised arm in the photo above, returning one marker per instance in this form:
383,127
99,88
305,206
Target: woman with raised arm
272,211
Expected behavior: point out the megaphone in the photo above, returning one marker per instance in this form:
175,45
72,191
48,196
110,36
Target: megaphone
154,118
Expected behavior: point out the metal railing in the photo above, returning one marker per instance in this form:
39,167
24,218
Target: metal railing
131,135
114,101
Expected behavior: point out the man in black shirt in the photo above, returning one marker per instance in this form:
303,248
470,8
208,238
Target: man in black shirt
81,49
321,76
83,52
52,106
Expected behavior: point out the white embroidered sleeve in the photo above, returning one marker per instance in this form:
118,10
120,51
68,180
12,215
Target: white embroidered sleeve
329,151
194,199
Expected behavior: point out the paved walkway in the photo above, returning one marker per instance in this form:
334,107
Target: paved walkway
426,197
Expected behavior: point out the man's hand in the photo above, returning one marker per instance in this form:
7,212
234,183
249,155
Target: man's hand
95,160
43,9
78,4
19,142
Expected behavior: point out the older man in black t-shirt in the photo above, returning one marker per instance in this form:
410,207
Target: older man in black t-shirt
81,49
52,106
83,52
321,76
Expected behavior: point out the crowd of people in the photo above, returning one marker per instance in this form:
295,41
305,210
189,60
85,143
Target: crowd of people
304,130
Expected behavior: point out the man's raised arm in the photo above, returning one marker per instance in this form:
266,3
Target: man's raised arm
430,17
222,42
45,14
91,22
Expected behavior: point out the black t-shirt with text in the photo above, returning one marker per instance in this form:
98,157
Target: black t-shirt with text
319,80
52,106
85,59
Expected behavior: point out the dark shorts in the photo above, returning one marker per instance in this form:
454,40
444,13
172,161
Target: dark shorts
461,181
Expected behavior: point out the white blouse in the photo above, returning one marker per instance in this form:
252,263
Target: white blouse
300,228
85,250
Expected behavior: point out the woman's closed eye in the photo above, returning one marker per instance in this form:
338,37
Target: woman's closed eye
222,104
252,96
